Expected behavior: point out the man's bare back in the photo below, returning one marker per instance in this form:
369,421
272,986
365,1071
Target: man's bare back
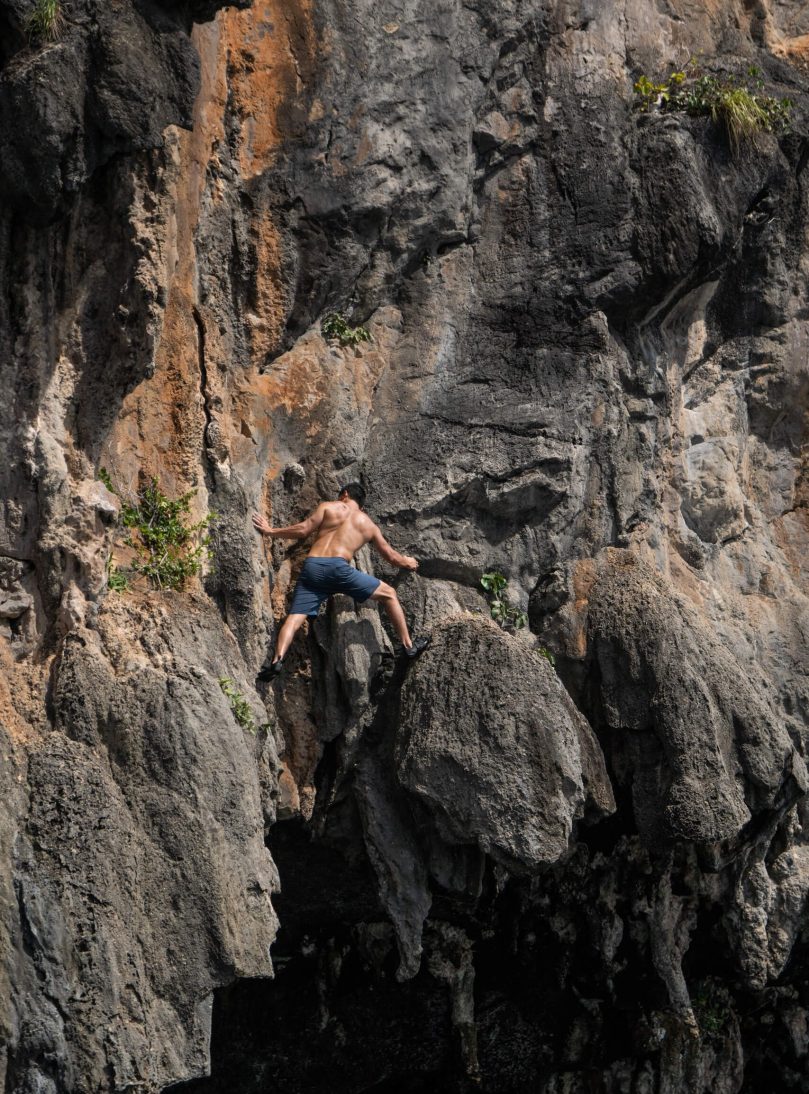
342,531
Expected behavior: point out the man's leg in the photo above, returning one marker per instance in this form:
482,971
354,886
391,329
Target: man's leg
292,624
386,595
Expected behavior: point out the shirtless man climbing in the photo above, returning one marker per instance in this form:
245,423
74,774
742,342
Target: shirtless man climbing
342,528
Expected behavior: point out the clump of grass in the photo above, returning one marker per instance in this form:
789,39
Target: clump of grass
239,706
46,22
741,114
168,550
737,106
116,578
337,329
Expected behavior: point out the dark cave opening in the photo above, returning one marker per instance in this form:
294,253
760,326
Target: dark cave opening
548,1009
335,1020
12,38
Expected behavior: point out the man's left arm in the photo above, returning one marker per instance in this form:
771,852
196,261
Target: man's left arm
390,554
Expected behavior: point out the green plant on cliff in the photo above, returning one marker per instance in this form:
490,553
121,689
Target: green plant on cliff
46,21
239,706
336,328
546,653
502,610
743,114
649,94
711,1005
168,550
116,578
740,109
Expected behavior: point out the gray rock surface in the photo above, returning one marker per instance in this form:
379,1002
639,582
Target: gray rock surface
703,746
587,370
141,879
499,756
110,83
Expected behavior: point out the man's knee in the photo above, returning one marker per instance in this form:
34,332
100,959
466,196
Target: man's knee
292,622
384,592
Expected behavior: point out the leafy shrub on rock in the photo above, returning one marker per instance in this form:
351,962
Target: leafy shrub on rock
712,1010
239,706
742,112
167,549
336,328
116,578
502,610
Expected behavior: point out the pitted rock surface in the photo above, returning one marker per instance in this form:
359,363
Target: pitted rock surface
587,370
705,745
141,877
519,758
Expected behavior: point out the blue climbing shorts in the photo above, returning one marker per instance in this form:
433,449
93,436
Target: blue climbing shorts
320,577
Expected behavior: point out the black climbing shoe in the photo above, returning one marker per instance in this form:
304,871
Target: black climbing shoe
419,644
269,672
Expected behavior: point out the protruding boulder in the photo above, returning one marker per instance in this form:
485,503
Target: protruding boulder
699,739
493,746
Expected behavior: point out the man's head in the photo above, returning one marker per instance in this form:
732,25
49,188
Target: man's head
354,492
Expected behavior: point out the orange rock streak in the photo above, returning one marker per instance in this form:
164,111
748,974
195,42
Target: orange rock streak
254,64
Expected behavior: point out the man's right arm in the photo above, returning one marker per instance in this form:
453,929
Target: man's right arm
293,531
405,562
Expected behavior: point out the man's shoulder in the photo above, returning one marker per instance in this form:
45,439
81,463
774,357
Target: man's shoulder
326,513
332,509
367,525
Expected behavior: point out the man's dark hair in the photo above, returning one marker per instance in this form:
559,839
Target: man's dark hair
355,492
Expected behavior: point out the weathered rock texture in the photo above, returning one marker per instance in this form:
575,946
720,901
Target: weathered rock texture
509,740
140,875
588,370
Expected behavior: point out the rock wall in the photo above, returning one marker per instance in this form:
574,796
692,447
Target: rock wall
588,370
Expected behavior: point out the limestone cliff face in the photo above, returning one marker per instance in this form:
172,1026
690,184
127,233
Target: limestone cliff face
588,370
